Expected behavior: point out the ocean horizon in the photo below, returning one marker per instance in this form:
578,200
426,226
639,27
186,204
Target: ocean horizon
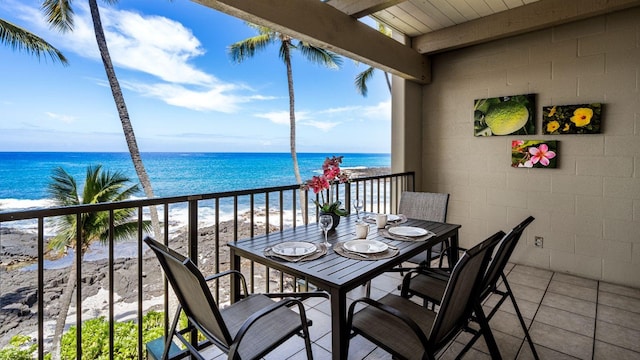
24,176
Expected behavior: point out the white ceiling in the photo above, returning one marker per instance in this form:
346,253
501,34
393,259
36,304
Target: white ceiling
418,17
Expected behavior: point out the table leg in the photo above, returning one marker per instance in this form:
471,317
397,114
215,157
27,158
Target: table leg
455,249
339,331
235,280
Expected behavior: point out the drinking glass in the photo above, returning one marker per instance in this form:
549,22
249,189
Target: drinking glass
326,222
358,204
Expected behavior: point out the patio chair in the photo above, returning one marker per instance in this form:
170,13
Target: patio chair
426,206
247,329
429,284
410,331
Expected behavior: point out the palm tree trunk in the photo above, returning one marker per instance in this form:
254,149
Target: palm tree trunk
292,129
386,77
65,303
123,113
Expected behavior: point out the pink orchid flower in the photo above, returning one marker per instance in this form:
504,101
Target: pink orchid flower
317,184
541,154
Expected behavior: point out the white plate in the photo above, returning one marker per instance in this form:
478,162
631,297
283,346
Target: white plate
365,246
294,248
407,231
392,217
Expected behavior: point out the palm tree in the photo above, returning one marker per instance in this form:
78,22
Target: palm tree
364,77
247,48
22,40
99,187
60,15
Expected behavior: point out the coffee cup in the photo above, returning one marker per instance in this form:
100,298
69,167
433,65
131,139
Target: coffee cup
381,220
362,230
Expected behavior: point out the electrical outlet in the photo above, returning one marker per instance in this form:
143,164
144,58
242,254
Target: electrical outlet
538,241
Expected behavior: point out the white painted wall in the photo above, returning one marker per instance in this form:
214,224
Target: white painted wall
588,209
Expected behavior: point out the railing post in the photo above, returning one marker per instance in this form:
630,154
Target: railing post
192,226
347,196
192,245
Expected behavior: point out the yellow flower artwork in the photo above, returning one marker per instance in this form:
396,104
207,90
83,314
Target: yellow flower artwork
572,119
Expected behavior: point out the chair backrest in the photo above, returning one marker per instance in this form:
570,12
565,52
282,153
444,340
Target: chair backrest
462,291
424,205
192,292
501,256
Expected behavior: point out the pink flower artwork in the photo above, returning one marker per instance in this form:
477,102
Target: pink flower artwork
534,153
541,154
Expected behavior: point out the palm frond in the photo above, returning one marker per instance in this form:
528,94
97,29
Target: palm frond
100,186
22,40
319,55
63,188
284,51
362,79
59,14
247,48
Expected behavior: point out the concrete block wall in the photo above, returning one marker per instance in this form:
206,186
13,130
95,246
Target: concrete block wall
588,209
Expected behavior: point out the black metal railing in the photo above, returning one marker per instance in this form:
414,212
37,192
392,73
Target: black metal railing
242,209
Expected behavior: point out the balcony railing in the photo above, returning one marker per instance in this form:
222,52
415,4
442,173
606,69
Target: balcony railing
245,213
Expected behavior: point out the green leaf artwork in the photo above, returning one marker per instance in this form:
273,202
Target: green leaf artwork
571,119
506,115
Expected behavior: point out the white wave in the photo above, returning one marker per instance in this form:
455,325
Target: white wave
24,204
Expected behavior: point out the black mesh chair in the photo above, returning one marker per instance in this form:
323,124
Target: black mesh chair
247,329
410,331
430,284
431,207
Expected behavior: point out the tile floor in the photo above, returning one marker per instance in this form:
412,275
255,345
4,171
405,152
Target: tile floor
568,317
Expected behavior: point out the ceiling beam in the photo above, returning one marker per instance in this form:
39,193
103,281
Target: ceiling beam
322,25
362,8
530,17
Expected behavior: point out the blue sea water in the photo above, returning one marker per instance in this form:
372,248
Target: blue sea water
24,176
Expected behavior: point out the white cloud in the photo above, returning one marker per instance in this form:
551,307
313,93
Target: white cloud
68,119
382,111
322,125
282,117
332,117
212,98
150,44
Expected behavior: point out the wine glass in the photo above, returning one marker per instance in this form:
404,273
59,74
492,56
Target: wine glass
326,222
358,204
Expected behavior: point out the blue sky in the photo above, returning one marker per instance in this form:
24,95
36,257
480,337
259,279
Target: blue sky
182,90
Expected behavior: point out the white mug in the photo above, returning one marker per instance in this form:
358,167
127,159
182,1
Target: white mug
381,220
362,230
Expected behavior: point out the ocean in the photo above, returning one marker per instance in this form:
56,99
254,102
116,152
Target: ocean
24,176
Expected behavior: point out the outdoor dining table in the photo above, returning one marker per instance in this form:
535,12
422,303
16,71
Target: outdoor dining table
332,272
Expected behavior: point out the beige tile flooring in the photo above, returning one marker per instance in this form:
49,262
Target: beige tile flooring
568,317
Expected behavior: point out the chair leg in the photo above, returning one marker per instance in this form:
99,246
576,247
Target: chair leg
172,330
522,323
307,341
488,335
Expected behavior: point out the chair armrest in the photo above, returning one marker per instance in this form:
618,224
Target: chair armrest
392,311
243,281
299,295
